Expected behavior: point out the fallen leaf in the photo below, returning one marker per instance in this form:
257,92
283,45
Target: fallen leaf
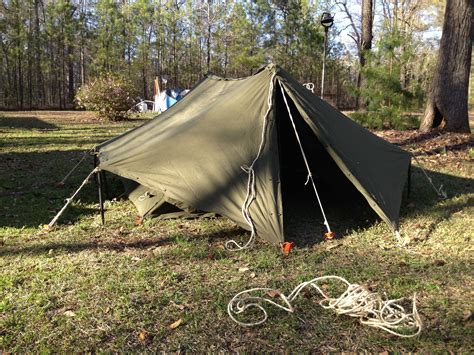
176,324
274,293
467,316
138,221
142,335
243,269
252,275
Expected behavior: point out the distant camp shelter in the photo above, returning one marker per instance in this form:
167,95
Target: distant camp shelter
235,146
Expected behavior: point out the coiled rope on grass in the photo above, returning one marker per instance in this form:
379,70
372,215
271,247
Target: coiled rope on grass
356,301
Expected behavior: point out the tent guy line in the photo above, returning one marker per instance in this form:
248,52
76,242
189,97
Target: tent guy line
329,233
70,199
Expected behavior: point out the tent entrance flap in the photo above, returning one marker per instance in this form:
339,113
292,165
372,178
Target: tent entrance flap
336,192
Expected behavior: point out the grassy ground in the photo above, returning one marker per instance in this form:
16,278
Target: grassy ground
85,287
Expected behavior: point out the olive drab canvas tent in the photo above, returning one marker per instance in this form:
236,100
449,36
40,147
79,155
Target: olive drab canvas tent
231,145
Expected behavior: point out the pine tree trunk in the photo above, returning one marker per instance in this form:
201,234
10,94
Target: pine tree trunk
365,46
447,101
70,68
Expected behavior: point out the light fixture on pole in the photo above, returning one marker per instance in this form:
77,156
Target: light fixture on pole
327,20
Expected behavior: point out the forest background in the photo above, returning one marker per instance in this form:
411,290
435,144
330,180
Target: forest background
49,48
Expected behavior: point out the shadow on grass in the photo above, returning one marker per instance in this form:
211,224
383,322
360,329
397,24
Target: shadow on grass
304,221
46,141
29,195
26,122
119,245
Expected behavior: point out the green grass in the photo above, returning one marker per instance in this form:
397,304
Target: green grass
85,287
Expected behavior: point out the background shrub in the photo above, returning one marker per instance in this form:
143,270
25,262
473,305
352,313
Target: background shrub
385,118
109,95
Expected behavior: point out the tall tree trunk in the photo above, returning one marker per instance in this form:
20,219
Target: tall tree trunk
208,37
39,73
20,81
447,101
70,68
365,46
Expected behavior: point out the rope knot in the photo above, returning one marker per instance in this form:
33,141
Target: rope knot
245,168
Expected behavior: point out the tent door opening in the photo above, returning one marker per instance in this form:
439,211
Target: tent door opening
302,217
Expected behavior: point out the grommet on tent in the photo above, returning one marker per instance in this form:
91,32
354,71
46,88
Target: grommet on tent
286,247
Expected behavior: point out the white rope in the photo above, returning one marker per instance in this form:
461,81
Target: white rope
356,301
251,191
439,191
310,176
63,181
402,241
69,200
309,86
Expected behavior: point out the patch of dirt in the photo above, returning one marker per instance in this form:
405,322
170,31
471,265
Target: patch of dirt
432,143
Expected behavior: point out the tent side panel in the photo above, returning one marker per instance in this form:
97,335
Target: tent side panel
377,168
194,153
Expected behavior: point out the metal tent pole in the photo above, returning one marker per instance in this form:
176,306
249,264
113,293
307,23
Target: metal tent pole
101,201
324,61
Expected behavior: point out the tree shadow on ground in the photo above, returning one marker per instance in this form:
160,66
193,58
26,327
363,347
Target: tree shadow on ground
26,122
29,197
29,191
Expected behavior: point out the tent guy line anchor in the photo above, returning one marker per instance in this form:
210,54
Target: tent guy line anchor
439,191
232,245
69,200
356,301
63,181
329,233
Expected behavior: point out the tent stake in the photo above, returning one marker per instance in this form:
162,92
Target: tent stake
101,201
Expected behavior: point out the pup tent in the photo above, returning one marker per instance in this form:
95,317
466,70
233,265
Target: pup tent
231,147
